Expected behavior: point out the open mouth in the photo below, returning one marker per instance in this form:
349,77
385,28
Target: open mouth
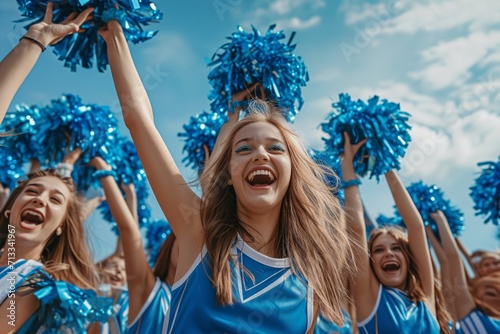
32,217
261,177
391,267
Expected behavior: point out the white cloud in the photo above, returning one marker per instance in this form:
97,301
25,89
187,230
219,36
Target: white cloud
284,7
443,15
297,23
450,62
286,13
357,14
326,75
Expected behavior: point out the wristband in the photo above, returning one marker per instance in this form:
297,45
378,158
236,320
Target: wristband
64,169
34,41
98,174
351,183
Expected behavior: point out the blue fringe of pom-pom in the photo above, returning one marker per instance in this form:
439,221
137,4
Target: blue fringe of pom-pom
11,168
201,130
486,192
21,126
156,234
250,58
382,122
429,199
64,306
85,47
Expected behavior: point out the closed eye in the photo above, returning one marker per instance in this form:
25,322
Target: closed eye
276,148
243,148
56,200
31,191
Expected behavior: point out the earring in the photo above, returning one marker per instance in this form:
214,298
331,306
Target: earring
58,231
6,214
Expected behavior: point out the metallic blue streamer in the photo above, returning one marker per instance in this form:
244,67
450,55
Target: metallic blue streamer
486,192
64,306
83,48
251,57
332,162
382,122
20,125
202,129
11,168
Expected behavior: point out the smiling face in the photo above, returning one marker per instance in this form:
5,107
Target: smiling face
260,167
389,262
39,209
114,272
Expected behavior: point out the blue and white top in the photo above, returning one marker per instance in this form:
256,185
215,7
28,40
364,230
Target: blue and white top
395,313
275,301
477,322
324,326
151,317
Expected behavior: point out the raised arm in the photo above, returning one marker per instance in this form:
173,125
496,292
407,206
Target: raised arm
179,203
416,234
140,278
364,285
15,67
464,303
444,266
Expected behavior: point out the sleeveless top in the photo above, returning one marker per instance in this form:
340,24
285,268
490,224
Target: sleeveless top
151,317
395,313
324,326
275,301
477,322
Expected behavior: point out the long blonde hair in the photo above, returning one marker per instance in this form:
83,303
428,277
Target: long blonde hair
311,229
66,257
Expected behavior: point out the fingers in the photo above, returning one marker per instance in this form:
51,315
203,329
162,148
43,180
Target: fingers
69,18
82,17
48,13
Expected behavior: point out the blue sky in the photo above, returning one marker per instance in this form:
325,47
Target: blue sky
438,59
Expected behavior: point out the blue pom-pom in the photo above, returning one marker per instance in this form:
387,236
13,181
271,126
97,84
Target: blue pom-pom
83,48
64,306
381,122
68,124
20,125
429,199
201,130
250,58
486,191
156,234
11,168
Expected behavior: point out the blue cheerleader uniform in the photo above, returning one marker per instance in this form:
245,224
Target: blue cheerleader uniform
151,317
395,313
275,301
477,322
324,326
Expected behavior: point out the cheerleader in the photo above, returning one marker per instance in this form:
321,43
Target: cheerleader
265,246
393,290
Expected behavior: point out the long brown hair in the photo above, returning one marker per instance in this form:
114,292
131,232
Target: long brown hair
66,257
162,263
413,284
311,229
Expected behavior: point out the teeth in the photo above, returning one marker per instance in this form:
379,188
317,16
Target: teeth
260,172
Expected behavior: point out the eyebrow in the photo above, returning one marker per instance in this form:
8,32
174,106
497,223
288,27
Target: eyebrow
39,185
273,139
